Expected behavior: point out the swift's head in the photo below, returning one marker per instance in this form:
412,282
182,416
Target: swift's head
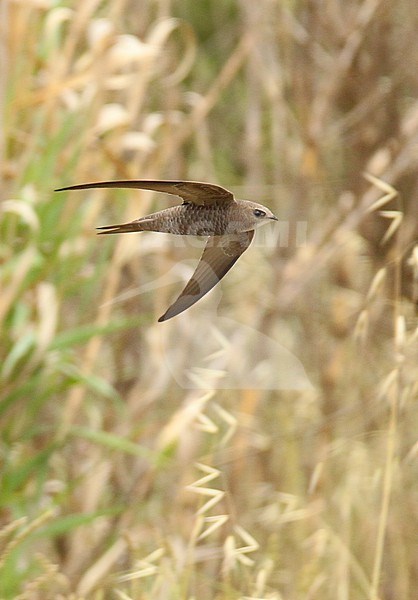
254,215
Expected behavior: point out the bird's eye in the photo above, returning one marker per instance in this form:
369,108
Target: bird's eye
259,213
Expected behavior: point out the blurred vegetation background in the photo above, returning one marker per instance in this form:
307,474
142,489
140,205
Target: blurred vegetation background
264,444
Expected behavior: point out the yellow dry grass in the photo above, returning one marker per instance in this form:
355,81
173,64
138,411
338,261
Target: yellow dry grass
262,445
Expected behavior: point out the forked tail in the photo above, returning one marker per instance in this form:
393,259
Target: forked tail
133,226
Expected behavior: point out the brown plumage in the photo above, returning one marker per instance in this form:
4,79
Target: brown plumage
208,210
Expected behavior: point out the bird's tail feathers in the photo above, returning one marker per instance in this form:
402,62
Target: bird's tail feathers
123,228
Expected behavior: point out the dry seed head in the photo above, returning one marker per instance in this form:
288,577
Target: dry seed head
376,284
362,327
396,216
99,32
128,50
378,163
110,117
390,192
215,523
54,19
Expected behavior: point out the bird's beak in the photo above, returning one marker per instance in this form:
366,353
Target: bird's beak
274,218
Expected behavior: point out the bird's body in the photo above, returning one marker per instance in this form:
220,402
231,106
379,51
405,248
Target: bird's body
193,219
207,210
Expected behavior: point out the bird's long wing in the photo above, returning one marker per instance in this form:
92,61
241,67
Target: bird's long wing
196,192
219,255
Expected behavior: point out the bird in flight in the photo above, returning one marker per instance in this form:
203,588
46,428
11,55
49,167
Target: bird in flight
207,210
